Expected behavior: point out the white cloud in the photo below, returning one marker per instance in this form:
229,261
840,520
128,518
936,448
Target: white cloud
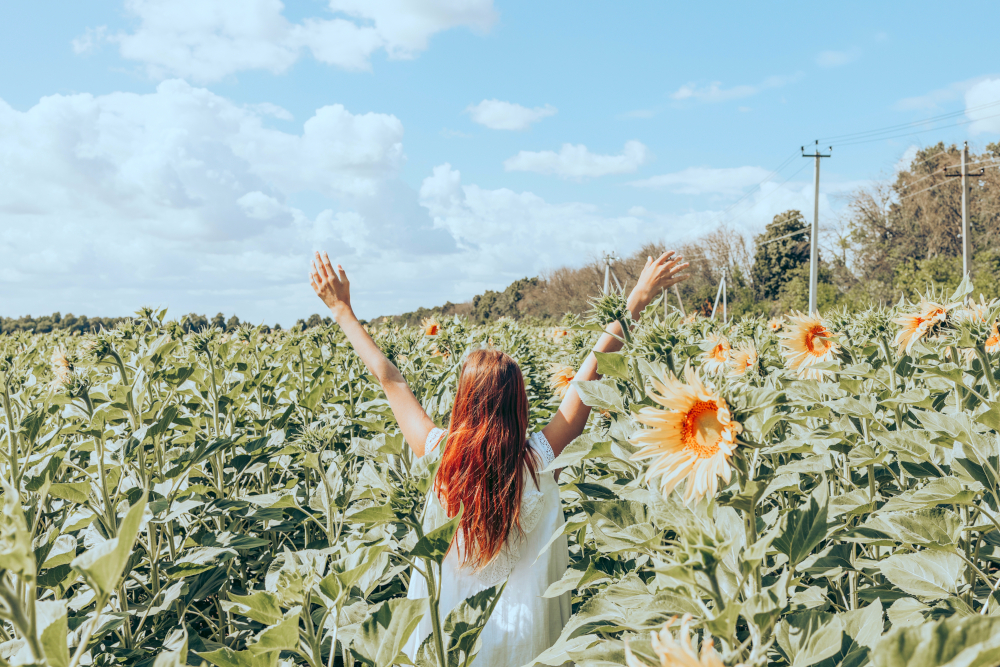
906,159
935,98
207,40
714,92
575,161
90,39
506,235
503,235
838,58
183,198
705,180
981,106
499,115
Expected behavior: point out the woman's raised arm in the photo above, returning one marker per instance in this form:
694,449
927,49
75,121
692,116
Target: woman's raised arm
571,418
335,291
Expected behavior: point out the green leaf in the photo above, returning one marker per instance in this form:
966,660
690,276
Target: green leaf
197,560
926,574
16,554
434,545
227,657
934,528
53,631
810,637
804,529
261,606
939,491
599,394
373,515
954,642
175,650
864,626
102,566
907,611
579,450
283,636
383,634
462,628
991,417
613,364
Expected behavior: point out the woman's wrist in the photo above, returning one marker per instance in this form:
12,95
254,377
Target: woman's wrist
342,312
637,303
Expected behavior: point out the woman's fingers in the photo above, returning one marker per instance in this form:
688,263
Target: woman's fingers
343,275
665,256
319,268
329,269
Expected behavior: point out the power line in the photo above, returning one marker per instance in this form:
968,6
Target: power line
942,169
914,194
891,128
907,134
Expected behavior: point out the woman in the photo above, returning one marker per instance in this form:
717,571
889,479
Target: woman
493,468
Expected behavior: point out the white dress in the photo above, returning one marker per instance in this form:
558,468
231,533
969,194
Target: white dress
523,624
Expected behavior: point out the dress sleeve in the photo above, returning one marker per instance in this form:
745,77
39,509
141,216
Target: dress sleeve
434,439
544,449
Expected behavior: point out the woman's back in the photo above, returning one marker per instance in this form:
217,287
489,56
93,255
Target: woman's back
524,624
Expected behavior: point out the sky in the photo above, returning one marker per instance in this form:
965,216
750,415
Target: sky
192,154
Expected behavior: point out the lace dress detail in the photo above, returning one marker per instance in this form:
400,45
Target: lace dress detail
434,439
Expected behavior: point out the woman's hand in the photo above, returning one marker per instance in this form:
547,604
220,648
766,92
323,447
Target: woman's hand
331,286
657,275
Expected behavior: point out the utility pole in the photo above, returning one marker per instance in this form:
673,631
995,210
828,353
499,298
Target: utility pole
609,259
720,293
966,240
814,238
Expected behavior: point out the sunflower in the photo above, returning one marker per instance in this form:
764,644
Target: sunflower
993,342
716,353
677,651
431,326
915,326
975,312
806,342
741,359
560,377
61,368
690,318
691,439
775,324
558,333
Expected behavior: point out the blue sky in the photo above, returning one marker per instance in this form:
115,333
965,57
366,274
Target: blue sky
192,153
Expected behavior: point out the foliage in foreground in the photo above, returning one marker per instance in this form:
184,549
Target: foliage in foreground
246,499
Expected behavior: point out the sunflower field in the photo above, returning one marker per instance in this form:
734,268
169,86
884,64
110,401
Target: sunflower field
800,491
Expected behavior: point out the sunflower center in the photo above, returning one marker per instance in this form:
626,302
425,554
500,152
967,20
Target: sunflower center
719,353
702,430
816,341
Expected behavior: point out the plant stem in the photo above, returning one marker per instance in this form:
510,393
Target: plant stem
984,360
11,437
434,588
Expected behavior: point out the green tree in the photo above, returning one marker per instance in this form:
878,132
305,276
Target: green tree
776,261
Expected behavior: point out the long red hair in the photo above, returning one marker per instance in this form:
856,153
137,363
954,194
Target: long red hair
487,455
